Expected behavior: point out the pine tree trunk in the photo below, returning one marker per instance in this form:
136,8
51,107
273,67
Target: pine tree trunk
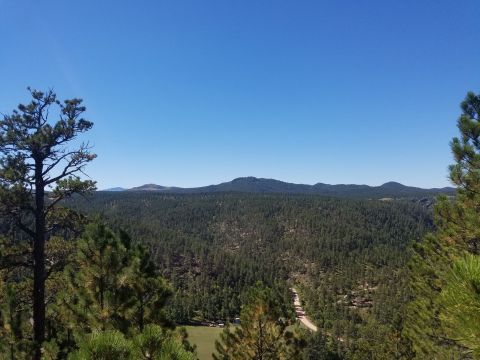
39,263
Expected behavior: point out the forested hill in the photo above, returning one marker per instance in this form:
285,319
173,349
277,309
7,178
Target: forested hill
346,256
260,185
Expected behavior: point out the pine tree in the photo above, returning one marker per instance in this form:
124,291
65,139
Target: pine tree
317,348
37,171
148,291
14,343
153,343
428,324
263,333
95,296
461,301
103,345
110,285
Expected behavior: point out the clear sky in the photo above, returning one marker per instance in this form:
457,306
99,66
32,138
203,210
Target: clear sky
190,93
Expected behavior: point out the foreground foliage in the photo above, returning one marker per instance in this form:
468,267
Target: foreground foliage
109,303
111,283
461,300
153,343
441,322
263,333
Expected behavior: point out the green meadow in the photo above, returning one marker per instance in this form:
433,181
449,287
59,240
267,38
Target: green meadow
204,338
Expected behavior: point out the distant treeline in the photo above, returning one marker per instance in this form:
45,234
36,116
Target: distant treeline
266,186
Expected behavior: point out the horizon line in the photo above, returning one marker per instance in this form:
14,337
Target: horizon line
263,178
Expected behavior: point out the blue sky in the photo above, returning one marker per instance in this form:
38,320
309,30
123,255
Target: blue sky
190,93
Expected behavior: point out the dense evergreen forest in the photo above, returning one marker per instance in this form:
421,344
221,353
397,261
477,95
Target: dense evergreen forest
347,256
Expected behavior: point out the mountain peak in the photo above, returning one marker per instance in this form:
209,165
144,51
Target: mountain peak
393,185
248,179
149,187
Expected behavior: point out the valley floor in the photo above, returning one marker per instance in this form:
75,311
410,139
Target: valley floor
204,338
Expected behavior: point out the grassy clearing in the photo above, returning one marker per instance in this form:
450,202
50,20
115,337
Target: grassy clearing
204,337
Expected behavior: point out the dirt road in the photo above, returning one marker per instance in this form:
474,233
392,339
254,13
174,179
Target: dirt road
300,313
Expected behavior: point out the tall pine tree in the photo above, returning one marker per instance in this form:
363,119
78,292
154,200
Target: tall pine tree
38,169
432,319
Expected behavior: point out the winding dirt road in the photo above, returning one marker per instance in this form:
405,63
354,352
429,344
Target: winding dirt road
300,313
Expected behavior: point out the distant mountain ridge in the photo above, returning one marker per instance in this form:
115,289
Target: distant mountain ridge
115,189
261,185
